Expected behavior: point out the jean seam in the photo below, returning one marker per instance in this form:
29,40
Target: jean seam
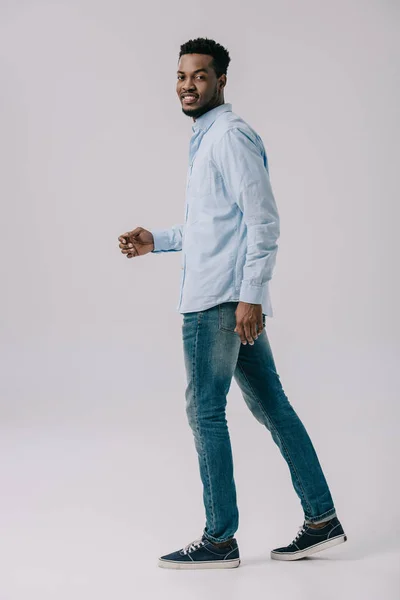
197,420
279,436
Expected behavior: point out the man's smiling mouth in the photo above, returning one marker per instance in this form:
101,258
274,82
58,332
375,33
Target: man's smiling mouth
189,99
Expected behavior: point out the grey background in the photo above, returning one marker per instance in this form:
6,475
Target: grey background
98,467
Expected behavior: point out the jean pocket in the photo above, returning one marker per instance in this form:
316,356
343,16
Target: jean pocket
227,316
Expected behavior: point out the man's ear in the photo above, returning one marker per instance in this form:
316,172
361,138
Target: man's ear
222,82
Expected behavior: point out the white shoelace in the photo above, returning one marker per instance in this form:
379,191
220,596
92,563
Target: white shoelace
302,529
193,546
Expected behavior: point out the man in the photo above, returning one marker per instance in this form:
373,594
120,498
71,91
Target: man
228,244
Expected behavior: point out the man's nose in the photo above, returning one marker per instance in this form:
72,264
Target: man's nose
188,86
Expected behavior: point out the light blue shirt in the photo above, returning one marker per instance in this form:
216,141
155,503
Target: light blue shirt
231,224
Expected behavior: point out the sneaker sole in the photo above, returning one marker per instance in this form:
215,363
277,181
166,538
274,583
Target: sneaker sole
211,564
307,551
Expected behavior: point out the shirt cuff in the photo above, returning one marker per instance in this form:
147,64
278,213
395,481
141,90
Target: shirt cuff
253,294
161,240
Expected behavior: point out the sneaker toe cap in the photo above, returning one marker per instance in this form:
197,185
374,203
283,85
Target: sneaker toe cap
283,549
174,556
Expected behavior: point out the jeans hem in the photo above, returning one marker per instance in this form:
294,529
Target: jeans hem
321,518
211,538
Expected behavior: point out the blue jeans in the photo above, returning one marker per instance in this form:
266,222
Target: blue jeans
213,354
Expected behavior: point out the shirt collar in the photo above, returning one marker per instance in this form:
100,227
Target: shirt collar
208,118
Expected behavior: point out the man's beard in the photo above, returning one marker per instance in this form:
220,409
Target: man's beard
197,112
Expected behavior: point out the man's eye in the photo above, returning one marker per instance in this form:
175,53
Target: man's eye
198,77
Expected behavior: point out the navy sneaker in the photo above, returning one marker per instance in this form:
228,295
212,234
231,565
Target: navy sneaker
309,540
202,554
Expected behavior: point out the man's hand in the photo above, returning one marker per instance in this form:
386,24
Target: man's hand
249,322
136,242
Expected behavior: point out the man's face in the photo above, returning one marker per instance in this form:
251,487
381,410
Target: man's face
196,76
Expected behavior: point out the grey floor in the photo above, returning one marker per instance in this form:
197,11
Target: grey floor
86,511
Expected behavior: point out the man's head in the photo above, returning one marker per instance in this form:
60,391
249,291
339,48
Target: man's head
202,69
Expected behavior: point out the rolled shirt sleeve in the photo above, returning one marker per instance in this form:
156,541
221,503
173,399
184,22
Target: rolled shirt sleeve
244,168
168,240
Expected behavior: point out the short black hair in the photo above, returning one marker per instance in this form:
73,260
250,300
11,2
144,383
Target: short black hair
221,58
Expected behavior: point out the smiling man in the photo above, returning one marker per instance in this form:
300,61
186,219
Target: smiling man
229,245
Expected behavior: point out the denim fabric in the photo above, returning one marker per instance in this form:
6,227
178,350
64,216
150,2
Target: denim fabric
213,354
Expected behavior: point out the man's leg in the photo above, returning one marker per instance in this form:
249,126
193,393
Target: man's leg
210,360
262,390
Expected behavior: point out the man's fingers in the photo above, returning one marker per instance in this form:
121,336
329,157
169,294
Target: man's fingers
247,330
239,330
124,237
126,245
247,333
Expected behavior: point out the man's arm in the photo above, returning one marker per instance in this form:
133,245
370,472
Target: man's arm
241,163
168,240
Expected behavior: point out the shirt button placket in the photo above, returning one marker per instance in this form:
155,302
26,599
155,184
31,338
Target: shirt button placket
194,144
